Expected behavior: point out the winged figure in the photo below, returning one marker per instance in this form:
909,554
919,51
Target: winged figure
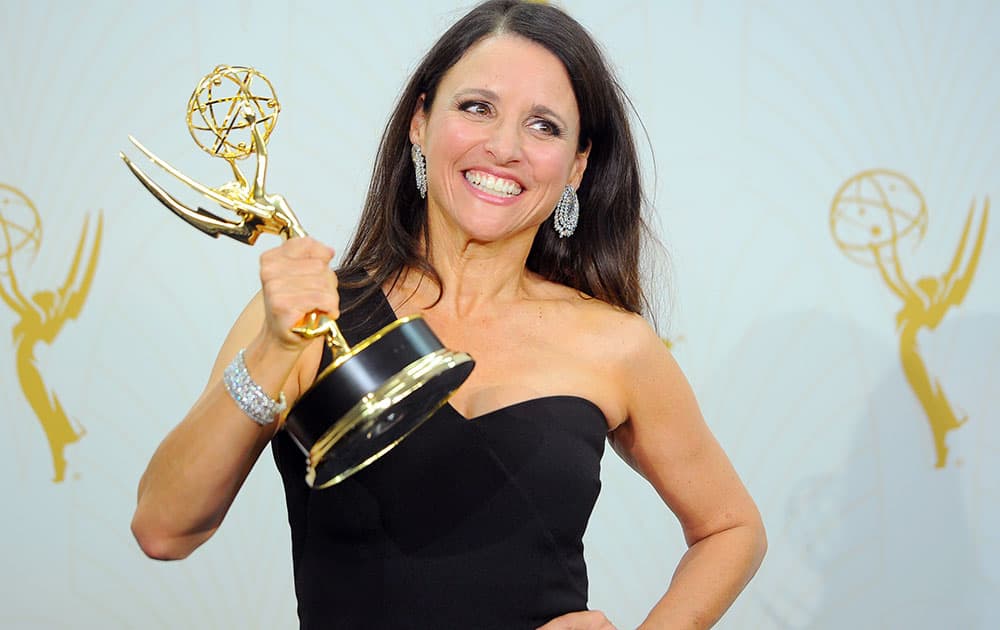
925,304
41,319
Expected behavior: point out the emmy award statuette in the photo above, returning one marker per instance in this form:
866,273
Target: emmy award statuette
372,395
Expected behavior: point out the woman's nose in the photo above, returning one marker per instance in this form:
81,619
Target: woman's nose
504,142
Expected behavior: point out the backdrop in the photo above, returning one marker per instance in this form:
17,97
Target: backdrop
820,174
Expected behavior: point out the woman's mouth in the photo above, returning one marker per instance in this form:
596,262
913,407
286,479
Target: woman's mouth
492,184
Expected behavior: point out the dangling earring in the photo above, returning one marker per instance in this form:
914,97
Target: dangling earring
567,213
420,167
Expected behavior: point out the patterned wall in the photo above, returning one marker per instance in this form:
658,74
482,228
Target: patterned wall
823,176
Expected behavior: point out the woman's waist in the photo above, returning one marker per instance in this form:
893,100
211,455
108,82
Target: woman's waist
510,585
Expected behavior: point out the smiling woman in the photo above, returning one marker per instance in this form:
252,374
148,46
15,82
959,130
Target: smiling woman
500,142
505,208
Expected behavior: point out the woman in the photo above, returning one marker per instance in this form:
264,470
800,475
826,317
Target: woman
476,520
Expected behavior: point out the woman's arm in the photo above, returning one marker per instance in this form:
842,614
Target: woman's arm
196,472
667,441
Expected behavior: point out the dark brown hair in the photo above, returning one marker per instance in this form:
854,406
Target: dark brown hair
601,258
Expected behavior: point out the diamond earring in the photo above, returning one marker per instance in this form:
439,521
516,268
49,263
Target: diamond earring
567,213
420,168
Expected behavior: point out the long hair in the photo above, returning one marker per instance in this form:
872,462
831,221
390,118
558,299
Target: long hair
601,259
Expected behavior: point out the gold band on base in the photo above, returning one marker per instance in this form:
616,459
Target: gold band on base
366,412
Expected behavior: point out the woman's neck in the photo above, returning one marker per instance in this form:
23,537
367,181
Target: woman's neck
475,276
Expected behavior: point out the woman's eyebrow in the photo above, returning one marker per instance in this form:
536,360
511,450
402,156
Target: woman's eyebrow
484,93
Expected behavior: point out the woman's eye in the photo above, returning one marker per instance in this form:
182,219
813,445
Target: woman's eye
476,107
546,127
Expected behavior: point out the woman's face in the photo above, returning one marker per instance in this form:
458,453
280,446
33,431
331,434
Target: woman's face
500,140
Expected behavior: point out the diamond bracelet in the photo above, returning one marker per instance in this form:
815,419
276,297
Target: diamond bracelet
249,396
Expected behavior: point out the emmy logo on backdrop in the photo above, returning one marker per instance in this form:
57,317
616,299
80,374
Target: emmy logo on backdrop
874,215
44,315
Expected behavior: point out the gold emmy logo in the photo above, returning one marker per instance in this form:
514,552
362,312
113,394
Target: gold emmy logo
874,215
43,316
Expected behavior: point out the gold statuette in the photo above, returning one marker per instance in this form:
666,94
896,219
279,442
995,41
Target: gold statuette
43,314
371,396
874,215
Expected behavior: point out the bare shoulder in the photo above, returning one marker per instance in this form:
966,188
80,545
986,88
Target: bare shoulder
620,334
638,362
648,383
617,348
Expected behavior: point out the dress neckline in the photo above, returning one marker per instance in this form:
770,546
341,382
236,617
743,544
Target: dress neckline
573,398
391,312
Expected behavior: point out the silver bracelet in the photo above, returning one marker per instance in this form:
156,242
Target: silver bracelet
249,396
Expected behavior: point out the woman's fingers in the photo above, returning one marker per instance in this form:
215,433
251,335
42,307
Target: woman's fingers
583,620
296,279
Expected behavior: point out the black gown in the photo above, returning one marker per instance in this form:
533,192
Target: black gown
468,523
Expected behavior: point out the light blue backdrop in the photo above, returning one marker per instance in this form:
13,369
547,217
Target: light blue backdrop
756,113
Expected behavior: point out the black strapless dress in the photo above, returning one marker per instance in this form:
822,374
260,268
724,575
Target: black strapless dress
468,523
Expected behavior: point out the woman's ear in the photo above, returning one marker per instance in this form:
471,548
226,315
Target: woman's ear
579,167
418,122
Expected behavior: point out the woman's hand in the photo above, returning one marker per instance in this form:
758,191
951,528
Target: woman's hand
296,279
583,620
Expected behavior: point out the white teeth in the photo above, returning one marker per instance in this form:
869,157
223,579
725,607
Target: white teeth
493,184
